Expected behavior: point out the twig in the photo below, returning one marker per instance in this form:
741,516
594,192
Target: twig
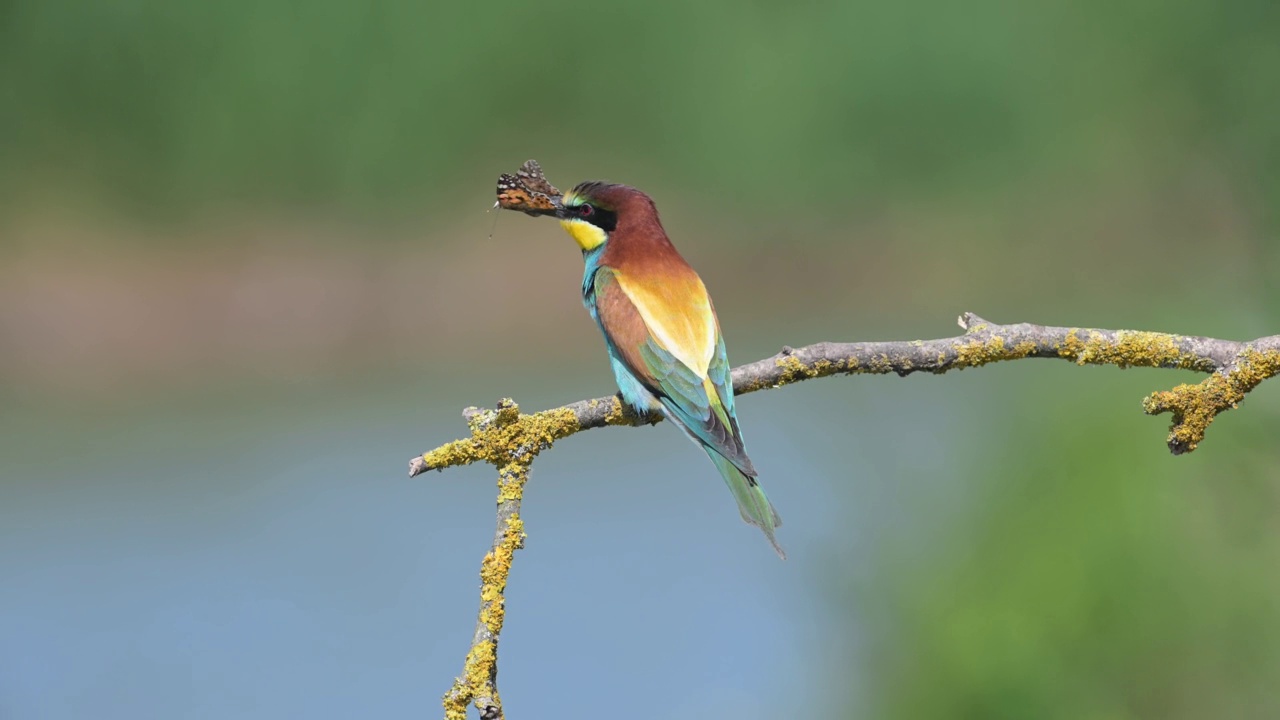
508,440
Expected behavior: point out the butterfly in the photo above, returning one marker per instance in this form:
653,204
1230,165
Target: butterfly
528,191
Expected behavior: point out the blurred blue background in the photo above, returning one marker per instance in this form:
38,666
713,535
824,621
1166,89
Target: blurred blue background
246,272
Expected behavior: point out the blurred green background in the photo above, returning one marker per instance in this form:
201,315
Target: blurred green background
246,271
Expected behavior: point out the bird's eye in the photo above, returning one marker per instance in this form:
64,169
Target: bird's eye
585,210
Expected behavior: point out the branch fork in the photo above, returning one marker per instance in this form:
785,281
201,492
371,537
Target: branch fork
509,440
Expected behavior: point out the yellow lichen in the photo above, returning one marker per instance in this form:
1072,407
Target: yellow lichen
497,563
480,658
475,683
499,436
493,614
822,368
511,485
793,370
509,441
617,414
880,365
977,353
1130,348
980,352
515,527
1194,407
456,701
458,452
480,668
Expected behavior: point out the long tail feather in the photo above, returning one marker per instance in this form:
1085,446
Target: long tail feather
752,502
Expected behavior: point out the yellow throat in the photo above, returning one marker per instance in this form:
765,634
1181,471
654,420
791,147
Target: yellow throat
588,236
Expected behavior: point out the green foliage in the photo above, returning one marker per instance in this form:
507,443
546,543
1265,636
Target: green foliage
1093,580
370,107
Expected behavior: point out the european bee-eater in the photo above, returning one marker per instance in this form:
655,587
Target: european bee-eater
661,331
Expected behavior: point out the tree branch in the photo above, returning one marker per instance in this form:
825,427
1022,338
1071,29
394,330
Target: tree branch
1236,367
509,441
479,680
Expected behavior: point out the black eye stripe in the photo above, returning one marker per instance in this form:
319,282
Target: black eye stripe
604,219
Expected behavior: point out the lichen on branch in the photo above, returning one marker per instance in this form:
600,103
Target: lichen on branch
1236,368
1194,407
509,440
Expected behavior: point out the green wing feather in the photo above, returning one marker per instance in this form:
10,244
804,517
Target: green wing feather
685,395
711,422
701,406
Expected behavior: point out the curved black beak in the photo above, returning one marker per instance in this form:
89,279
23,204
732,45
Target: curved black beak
561,211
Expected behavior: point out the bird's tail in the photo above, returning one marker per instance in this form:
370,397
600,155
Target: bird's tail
752,502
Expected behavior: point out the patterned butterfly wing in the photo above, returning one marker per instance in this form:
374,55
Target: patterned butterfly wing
528,191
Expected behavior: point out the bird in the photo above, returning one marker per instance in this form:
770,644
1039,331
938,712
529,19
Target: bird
661,331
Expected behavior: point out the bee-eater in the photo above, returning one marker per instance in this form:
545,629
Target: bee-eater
661,331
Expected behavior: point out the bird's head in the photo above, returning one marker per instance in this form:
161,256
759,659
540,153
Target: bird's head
592,211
